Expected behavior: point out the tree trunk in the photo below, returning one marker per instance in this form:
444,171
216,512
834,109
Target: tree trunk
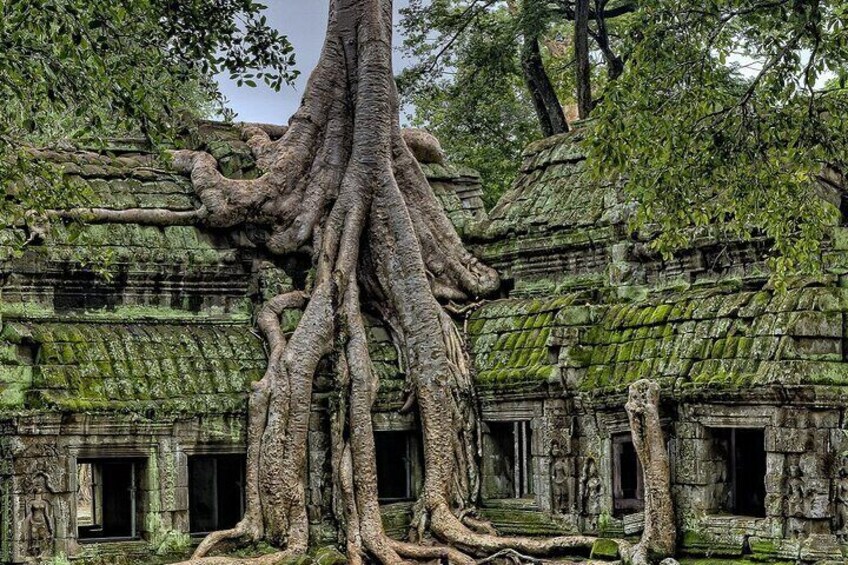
549,111
660,533
581,56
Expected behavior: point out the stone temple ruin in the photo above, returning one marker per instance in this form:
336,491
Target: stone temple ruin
123,394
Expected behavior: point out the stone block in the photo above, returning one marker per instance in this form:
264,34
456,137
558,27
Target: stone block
788,440
816,324
575,316
774,504
762,548
689,430
792,417
706,540
789,549
814,463
691,465
819,547
179,501
605,550
180,520
825,419
817,499
180,469
812,348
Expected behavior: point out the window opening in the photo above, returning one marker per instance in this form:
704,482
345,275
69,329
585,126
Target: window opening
397,455
510,459
107,499
743,451
216,492
627,479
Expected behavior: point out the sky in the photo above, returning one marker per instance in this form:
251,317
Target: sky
304,22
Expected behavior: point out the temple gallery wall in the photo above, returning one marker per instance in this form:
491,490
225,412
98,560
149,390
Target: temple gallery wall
122,395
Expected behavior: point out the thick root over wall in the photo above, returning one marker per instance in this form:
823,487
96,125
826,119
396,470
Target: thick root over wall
342,184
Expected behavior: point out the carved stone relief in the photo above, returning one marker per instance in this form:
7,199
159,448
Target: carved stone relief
560,479
39,521
590,488
562,475
795,491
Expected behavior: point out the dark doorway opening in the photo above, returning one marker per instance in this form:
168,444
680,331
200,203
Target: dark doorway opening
627,480
106,499
397,463
215,492
508,460
745,457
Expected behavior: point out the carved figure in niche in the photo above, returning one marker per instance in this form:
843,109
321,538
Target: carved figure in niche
842,499
795,499
559,478
38,523
591,488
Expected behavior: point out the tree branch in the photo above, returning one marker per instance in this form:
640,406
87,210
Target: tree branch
568,11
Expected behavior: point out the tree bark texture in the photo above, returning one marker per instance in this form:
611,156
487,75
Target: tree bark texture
342,184
546,103
582,66
660,534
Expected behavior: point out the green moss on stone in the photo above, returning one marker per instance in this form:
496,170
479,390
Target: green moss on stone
605,549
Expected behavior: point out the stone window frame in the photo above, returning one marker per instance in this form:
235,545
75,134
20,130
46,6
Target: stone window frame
723,416
532,410
140,456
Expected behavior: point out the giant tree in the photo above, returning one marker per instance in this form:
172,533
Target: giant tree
342,184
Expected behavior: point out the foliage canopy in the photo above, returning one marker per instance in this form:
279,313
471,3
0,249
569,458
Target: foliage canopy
722,116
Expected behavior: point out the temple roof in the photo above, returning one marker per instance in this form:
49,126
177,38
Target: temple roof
179,367
714,338
593,308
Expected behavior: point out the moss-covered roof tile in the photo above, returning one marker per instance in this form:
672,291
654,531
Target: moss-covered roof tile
104,366
704,339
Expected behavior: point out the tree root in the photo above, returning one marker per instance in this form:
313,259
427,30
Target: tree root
161,217
511,555
448,528
421,552
214,539
276,558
